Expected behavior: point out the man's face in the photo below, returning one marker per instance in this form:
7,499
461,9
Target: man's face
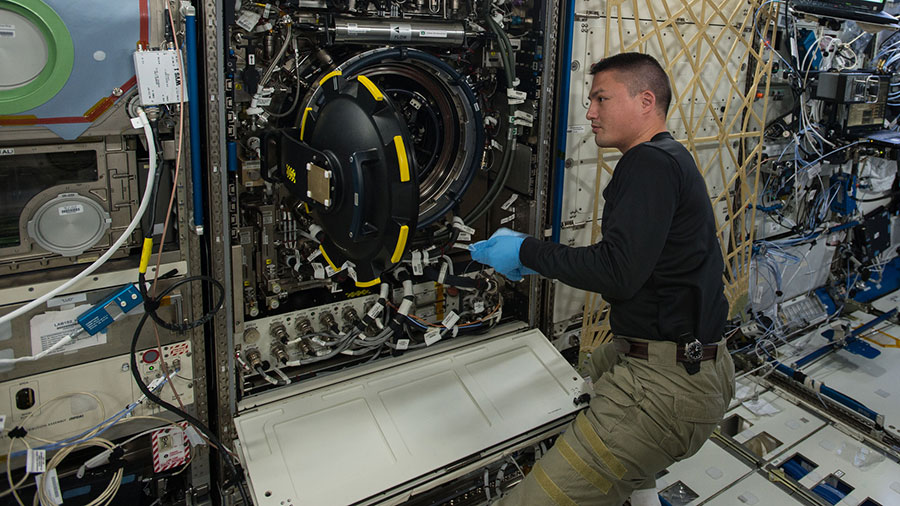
614,114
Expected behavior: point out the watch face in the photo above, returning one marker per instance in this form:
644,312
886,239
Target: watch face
694,351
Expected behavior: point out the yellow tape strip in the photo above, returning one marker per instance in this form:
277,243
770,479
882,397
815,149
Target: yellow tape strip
329,76
303,122
583,468
401,156
401,244
599,447
550,488
328,259
145,255
366,284
376,93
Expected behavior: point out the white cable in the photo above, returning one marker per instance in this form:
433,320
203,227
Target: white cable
145,201
57,345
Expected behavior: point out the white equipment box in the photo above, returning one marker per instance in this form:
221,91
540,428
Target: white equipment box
376,437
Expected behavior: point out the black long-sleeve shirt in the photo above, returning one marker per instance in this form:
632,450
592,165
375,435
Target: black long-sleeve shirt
658,264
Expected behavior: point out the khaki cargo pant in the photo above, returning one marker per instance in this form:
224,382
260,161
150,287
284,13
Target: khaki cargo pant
645,415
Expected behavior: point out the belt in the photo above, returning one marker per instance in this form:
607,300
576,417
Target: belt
689,353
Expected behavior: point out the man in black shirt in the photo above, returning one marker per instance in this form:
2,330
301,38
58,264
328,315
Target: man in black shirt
664,382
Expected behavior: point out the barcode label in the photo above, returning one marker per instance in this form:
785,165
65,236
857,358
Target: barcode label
51,486
70,209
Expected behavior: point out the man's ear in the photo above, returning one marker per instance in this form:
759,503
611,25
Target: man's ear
648,101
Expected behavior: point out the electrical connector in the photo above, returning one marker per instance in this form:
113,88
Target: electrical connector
110,309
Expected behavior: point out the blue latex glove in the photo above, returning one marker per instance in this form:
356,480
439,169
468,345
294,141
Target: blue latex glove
522,270
503,231
501,252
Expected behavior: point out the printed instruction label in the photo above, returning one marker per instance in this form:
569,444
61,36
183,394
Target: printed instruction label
7,31
402,344
70,209
435,34
48,328
36,461
171,448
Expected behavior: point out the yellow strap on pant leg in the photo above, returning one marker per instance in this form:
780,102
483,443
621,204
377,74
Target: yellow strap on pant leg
599,447
583,468
550,488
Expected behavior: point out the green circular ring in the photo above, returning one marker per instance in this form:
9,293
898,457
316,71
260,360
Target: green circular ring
60,57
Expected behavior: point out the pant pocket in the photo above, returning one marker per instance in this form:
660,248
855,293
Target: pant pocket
699,408
616,393
698,416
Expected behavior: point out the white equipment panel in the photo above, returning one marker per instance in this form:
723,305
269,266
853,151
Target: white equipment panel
349,441
834,453
109,379
705,474
754,489
872,382
775,424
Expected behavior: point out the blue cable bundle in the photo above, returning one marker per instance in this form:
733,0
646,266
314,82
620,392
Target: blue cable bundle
829,493
793,469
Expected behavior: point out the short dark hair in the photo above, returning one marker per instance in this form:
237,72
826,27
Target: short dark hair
642,72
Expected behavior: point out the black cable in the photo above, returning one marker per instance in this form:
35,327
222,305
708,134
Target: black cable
874,199
150,312
151,304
